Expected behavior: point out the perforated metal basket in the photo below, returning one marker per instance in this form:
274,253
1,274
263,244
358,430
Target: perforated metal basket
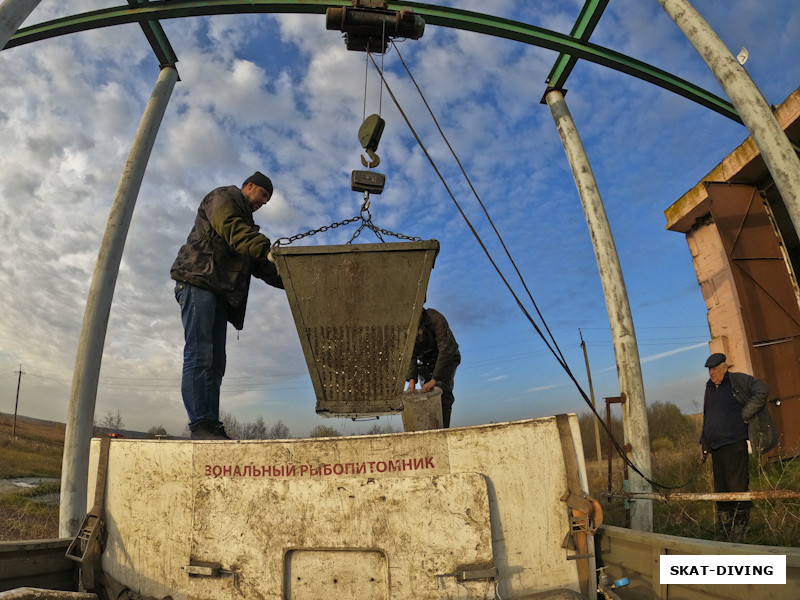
357,308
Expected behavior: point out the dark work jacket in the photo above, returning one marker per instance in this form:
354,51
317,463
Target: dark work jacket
436,354
752,394
224,249
722,422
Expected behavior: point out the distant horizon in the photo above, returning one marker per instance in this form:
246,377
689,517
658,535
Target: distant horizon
10,416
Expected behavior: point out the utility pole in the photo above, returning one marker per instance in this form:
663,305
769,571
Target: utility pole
12,15
775,148
623,334
16,404
83,396
591,394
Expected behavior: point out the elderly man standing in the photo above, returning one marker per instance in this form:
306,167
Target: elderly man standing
734,410
212,274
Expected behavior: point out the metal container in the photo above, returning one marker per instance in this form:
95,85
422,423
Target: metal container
357,308
422,410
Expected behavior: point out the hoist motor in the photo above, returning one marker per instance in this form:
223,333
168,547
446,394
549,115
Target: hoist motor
369,24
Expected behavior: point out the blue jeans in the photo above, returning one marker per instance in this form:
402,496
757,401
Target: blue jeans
205,324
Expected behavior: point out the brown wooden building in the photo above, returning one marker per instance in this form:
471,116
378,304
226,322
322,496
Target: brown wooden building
746,253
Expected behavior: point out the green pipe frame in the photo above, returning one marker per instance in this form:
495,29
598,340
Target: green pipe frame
148,12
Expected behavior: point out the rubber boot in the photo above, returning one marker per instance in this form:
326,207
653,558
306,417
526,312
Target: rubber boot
725,520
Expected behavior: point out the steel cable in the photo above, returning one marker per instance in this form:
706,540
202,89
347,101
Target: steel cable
554,349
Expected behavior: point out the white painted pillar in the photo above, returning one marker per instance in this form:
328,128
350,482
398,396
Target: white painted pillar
12,14
775,148
626,349
80,417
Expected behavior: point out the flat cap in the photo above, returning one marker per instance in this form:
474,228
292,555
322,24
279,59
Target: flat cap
715,359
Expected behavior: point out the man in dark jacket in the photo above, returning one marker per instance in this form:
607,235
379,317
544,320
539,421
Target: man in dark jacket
734,411
212,274
435,359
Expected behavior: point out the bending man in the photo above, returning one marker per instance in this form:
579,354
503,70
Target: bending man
435,359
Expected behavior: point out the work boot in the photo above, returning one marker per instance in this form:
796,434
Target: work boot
209,432
220,430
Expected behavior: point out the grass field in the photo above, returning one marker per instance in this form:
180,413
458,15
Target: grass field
35,451
772,522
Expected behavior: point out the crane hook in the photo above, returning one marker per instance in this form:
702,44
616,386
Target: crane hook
374,161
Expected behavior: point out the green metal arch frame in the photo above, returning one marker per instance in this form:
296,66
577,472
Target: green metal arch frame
150,12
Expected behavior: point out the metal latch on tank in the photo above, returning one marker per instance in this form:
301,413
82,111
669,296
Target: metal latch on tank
211,570
467,574
473,574
586,516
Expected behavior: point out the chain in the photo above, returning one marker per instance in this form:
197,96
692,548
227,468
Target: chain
324,228
365,222
378,231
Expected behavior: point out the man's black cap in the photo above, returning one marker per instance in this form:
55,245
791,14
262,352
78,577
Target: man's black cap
715,359
260,180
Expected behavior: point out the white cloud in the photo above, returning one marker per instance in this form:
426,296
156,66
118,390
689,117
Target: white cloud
661,355
543,388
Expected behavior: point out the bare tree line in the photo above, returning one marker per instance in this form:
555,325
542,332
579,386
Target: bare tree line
242,430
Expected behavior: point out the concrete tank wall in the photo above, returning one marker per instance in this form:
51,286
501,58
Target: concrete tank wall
387,516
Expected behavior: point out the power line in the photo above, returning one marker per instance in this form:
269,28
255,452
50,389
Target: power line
550,343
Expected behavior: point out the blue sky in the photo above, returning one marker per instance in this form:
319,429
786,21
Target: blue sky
282,95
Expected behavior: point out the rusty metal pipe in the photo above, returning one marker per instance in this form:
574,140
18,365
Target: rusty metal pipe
716,496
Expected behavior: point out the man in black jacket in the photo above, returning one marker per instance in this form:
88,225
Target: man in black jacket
733,412
435,359
212,274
